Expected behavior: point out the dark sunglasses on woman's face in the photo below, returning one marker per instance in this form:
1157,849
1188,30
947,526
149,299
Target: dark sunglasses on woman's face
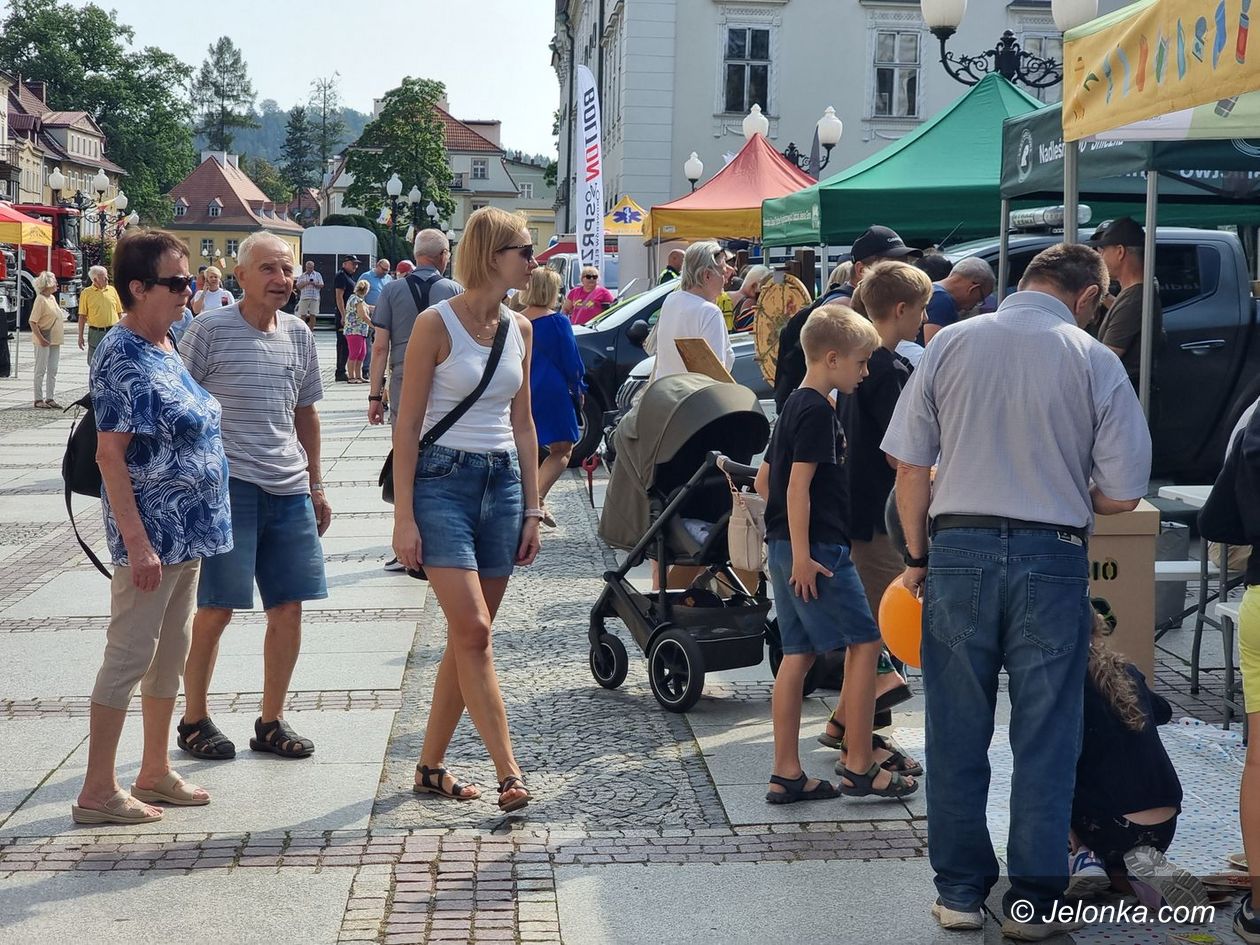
590,276
525,249
176,284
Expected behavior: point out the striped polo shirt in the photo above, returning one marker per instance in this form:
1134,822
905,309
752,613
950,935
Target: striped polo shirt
260,378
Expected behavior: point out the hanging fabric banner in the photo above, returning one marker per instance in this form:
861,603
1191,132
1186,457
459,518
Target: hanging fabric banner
1154,57
590,176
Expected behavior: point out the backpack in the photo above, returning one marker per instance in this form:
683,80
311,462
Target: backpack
80,472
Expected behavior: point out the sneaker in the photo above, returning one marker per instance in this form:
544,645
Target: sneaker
1158,881
1088,875
1246,923
957,919
1037,931
393,564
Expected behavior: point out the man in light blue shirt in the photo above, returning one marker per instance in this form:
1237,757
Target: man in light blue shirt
377,279
1037,429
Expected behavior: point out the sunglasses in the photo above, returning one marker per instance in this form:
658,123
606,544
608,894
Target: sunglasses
525,249
590,276
176,284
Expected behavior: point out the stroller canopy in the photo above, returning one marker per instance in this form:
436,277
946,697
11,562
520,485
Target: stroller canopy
665,438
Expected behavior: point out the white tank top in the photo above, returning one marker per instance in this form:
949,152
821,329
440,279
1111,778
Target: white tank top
487,425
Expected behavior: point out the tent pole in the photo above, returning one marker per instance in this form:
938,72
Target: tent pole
17,335
1004,250
1148,292
1071,190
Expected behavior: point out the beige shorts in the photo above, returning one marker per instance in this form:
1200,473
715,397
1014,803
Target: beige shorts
307,309
148,636
878,565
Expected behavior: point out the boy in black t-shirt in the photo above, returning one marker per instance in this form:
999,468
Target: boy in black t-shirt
818,597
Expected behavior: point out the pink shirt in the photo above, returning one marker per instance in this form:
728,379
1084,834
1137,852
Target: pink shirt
586,305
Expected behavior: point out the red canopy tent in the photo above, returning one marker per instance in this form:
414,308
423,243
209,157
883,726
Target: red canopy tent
729,205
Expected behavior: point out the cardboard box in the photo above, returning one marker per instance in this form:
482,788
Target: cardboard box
1122,569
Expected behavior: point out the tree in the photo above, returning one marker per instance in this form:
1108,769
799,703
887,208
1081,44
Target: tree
298,158
328,124
137,97
268,178
407,138
222,95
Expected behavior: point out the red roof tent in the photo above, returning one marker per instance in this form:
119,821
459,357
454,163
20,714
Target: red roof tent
729,205
569,246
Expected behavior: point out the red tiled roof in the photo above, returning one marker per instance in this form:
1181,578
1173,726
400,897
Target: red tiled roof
459,137
27,101
242,200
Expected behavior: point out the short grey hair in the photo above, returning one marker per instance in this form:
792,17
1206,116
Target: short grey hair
975,269
754,277
246,250
699,258
430,244
98,271
45,281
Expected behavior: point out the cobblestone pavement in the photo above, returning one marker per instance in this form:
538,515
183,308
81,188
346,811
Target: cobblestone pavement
617,782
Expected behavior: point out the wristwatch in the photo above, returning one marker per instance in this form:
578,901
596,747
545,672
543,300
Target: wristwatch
914,562
373,397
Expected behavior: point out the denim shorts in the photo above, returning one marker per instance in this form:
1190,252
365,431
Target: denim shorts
276,544
838,617
469,510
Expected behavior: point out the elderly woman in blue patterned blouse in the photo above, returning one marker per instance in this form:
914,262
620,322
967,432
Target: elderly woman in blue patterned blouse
165,501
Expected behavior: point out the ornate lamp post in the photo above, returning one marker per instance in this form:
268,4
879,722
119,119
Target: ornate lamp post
693,167
393,189
1006,58
829,129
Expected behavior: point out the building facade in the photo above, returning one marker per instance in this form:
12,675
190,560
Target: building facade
217,206
678,76
536,198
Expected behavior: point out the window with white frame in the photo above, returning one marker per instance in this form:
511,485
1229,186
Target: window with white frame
526,190
232,247
746,69
215,209
207,248
1045,46
480,168
180,209
896,74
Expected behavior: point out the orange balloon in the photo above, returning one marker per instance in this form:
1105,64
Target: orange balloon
901,623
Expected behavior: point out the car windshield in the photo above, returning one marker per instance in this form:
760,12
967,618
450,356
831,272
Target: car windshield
622,304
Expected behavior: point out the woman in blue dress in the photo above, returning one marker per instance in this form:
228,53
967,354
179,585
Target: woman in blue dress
556,383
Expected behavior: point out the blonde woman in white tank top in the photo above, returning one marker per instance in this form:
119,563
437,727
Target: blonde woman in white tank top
467,510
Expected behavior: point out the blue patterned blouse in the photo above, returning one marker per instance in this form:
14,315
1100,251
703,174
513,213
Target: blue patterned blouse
175,458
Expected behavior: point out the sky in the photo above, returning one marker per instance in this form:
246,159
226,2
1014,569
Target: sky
491,54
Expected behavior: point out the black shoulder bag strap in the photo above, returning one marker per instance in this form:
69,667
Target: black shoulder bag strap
496,353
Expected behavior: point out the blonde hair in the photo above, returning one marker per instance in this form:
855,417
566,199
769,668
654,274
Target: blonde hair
698,259
45,281
487,231
212,271
590,271
836,328
888,284
841,274
754,277
1107,670
543,289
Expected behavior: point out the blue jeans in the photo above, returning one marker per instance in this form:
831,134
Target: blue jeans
1017,598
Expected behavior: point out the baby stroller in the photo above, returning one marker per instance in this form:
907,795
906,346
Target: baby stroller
669,500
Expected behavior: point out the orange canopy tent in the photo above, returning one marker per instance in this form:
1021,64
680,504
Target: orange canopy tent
729,205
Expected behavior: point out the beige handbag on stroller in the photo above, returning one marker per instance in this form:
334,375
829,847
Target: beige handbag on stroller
746,534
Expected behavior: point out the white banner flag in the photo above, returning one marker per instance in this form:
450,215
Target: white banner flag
590,175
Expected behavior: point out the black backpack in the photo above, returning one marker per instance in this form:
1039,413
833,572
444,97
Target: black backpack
79,469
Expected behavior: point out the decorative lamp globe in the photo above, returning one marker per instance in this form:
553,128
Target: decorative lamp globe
57,180
100,183
755,123
393,186
943,15
694,167
1069,14
830,128
414,196
120,202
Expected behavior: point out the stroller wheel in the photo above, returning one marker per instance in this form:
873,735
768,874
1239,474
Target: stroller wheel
609,662
676,670
776,660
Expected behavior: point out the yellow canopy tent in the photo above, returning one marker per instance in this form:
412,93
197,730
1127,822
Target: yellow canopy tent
624,219
17,229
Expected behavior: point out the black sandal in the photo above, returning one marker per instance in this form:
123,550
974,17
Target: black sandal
863,785
278,738
897,761
202,739
508,784
432,781
883,719
794,790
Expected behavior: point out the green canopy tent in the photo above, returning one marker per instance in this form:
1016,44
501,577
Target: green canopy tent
939,180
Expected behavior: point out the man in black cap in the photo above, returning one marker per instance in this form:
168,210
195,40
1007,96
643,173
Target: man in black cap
875,245
1122,244
343,288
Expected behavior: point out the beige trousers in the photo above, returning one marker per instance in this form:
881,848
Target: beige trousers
878,564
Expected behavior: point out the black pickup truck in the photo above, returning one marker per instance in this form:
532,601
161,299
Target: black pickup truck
1207,366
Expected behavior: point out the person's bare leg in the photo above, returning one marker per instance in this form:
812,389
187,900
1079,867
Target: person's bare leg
100,782
280,654
553,467
1249,805
447,704
208,626
468,632
859,704
785,711
155,763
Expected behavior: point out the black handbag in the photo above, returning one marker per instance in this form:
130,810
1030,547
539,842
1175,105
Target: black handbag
386,478
80,472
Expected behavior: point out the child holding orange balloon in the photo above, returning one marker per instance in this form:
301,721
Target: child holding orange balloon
818,596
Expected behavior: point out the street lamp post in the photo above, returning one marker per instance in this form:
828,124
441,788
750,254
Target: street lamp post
693,167
829,128
1007,58
393,189
87,207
